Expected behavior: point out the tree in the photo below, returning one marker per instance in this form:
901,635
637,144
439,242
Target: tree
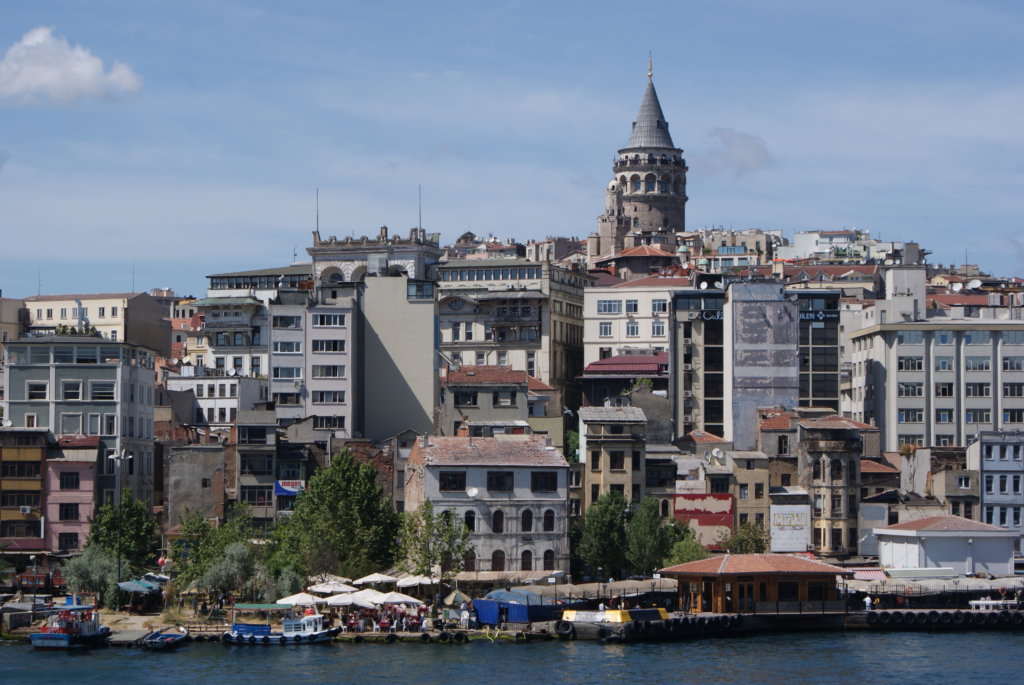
201,544
128,525
232,571
747,538
686,548
342,523
648,539
572,447
95,570
603,542
434,541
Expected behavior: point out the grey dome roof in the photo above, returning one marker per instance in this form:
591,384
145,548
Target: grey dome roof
650,128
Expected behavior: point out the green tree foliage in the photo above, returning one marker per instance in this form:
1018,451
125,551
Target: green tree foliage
603,542
95,570
232,571
572,447
747,538
434,541
130,520
648,538
201,544
342,523
685,548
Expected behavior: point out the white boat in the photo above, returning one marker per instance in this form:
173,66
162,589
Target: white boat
71,626
298,631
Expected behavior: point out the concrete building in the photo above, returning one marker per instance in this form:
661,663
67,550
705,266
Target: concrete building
999,458
218,398
482,401
511,491
136,318
194,481
645,203
524,315
82,385
967,547
630,316
22,495
612,453
70,492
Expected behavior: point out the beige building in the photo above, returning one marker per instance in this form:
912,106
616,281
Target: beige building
631,315
612,453
135,318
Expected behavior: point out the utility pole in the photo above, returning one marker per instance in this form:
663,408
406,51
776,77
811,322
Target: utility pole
118,458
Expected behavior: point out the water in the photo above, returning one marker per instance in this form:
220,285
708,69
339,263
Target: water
904,658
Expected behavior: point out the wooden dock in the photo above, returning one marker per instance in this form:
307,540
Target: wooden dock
128,638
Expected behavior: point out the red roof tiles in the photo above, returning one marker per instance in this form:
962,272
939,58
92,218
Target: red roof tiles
761,564
701,436
485,375
458,451
872,466
945,523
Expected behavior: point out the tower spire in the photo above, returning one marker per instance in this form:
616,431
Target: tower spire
650,66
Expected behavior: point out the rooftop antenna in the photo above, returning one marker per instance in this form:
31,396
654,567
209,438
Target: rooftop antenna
39,281
317,209
650,66
419,202
133,275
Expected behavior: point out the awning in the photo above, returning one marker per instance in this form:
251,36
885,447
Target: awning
137,587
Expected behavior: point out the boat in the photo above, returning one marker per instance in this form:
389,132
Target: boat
71,626
165,638
297,631
613,625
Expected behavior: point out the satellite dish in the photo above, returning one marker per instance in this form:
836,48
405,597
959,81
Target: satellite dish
974,284
703,285
957,287
716,452
231,372
888,262
718,284
8,423
472,492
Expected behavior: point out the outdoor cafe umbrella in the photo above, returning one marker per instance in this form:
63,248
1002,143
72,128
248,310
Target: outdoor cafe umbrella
328,578
346,599
331,588
456,597
374,578
414,581
301,599
137,587
396,598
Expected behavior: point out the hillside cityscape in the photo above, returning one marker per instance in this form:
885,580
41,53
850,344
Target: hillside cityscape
825,393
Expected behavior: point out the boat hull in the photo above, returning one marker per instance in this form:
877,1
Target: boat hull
68,640
230,638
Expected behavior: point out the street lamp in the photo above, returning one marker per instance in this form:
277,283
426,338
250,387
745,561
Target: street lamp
118,458
35,580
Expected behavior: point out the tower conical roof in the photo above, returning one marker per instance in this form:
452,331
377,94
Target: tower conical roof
650,128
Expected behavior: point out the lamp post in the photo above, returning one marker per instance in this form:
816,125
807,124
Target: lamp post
118,458
35,580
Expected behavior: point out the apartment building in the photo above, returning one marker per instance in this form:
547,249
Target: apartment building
628,316
999,458
136,318
612,453
22,495
70,492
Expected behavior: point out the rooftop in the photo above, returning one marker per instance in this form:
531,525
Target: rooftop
529,450
612,415
82,296
760,564
485,375
945,523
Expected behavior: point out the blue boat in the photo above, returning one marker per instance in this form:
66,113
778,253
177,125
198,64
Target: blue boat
69,627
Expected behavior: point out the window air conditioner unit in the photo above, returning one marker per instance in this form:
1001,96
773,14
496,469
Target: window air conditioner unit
692,315
687,393
687,418
687,341
687,367
25,510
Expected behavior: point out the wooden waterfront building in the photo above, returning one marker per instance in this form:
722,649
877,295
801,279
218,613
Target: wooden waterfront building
758,583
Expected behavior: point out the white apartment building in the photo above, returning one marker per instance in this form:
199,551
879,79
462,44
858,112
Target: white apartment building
635,314
1000,462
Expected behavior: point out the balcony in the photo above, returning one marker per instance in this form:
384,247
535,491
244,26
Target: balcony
832,445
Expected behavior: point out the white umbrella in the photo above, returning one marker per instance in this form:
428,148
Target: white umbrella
349,599
301,599
396,598
374,578
328,578
331,588
414,581
369,594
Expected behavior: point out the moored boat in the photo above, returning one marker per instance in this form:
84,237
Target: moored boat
165,638
310,628
613,625
71,626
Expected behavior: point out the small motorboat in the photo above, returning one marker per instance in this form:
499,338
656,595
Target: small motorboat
165,638
308,629
71,626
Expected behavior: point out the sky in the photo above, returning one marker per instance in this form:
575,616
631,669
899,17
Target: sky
150,144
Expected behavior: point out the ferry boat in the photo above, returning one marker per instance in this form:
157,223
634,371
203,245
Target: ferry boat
72,626
308,629
613,625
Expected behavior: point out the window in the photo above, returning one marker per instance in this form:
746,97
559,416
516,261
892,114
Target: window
287,322
456,330
544,481
910,439
498,522
257,464
288,347
329,371
632,329
631,306
526,521
617,460
1013,337
498,559
504,398
68,511
963,482
609,306
323,320
943,363
36,390
287,372
1013,389
659,306
977,337
328,396
500,481
20,469
943,416
979,416
329,422
605,329
910,389
1013,363
328,345
977,363
979,389
12,498
910,337
549,521
470,520
257,495
67,541
113,313
744,491
502,358
101,390
943,389
911,415
451,481
1013,415
69,480
910,363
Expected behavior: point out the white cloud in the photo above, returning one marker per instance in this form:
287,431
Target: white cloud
734,151
42,67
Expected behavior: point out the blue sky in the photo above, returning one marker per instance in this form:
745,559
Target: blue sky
188,138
